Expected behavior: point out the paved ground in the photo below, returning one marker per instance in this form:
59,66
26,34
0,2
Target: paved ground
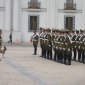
20,67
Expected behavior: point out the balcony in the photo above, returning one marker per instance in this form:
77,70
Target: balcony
34,5
68,6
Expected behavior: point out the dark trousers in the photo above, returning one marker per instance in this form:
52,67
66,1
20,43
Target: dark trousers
55,54
35,48
83,56
49,52
44,51
74,58
64,57
59,56
41,49
79,55
67,58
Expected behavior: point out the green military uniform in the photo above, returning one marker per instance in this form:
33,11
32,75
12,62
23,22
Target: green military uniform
55,47
54,37
78,46
61,40
34,39
41,42
81,58
68,49
45,44
73,39
49,50
83,50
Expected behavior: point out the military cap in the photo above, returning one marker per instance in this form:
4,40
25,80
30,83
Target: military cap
44,29
67,31
40,28
48,29
81,31
53,30
56,30
77,31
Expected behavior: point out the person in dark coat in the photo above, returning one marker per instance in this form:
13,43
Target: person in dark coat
10,38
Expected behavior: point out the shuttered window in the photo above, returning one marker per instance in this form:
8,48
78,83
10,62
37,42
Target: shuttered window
33,23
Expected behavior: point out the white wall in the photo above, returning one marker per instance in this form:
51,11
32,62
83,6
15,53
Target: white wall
43,20
60,21
24,3
51,18
78,4
1,19
78,21
2,3
16,15
7,15
2,14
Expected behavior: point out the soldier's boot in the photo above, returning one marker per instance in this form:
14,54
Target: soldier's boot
64,60
51,55
54,57
69,62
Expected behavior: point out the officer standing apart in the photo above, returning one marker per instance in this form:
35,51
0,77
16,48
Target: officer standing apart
34,39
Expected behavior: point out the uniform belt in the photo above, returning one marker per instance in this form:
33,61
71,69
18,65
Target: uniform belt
45,39
77,41
81,42
34,40
73,41
40,38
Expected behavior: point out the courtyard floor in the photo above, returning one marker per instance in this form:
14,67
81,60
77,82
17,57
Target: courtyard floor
20,67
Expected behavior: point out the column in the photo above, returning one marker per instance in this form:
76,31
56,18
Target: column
17,15
7,15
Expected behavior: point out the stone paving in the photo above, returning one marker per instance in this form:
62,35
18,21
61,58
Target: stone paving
20,67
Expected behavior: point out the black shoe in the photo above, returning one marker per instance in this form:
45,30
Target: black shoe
40,56
33,54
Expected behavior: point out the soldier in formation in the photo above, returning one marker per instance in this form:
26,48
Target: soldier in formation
62,46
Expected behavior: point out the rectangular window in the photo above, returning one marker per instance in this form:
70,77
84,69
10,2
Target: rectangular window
69,23
33,23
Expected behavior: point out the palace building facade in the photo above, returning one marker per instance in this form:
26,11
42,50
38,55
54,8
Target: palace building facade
22,17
